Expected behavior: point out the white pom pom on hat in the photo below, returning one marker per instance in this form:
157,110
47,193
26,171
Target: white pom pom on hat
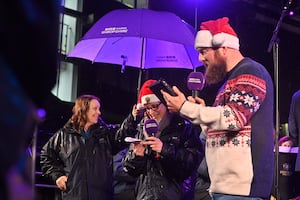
146,95
217,33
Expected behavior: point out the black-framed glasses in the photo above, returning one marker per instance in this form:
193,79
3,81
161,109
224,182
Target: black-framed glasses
205,50
153,106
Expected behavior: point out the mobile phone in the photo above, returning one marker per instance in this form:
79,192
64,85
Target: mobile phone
132,140
159,85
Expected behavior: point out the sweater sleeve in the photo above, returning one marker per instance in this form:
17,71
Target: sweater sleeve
234,105
220,117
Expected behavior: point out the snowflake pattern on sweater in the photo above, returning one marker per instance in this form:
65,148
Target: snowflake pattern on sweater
243,95
241,98
239,132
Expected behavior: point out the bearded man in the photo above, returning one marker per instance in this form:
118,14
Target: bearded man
239,126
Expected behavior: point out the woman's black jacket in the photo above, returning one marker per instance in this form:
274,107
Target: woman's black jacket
173,175
86,162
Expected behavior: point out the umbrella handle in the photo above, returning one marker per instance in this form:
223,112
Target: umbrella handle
123,63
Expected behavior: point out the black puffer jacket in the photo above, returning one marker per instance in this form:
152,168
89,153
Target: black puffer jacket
86,162
173,175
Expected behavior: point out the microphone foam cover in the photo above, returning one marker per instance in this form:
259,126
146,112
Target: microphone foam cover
196,81
151,127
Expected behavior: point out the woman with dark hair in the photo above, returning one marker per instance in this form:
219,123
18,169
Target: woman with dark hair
78,157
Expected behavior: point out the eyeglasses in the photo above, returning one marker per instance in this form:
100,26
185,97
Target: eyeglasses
153,106
205,50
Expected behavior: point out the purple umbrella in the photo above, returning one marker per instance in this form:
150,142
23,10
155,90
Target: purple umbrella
140,38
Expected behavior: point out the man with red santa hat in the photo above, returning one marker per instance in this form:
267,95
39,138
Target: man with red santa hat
239,126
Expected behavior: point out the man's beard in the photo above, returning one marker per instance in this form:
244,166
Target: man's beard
215,73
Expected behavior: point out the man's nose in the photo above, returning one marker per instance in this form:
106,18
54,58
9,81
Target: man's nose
201,57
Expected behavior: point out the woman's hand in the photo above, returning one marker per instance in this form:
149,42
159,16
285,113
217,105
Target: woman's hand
135,112
61,183
139,148
154,143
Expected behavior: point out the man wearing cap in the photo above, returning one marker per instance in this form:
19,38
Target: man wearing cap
167,158
239,126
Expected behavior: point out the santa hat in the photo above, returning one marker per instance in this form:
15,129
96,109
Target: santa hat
217,33
146,95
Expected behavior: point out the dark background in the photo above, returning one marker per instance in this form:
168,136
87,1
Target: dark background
254,22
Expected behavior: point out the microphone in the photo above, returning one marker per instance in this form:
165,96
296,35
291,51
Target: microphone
195,82
151,129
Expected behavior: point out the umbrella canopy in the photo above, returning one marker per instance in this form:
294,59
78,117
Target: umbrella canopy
141,38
